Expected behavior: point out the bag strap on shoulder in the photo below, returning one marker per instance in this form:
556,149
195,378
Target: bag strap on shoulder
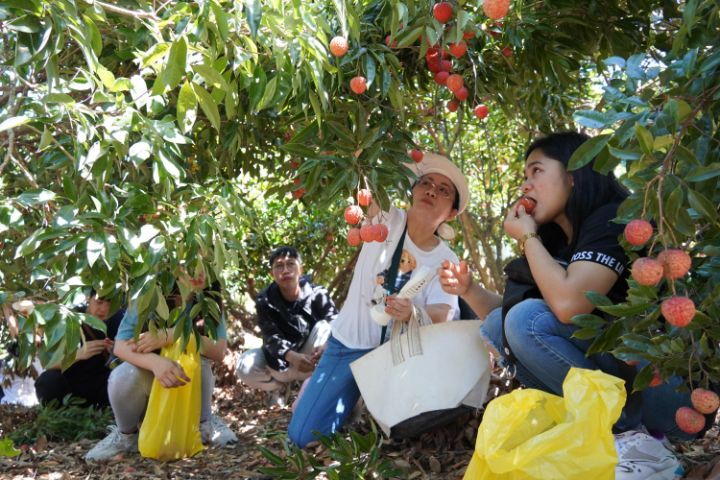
391,276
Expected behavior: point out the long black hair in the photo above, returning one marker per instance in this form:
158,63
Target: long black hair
591,189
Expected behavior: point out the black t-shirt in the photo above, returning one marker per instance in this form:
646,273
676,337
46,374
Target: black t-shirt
598,242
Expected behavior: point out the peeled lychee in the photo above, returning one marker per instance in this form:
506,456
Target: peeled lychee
678,311
496,9
647,271
364,197
353,214
676,263
705,401
353,237
689,420
638,232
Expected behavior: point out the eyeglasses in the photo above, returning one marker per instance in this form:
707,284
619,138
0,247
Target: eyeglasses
280,266
443,190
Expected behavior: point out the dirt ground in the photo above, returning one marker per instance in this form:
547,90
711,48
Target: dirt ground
441,454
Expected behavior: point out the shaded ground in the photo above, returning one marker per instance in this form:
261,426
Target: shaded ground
442,454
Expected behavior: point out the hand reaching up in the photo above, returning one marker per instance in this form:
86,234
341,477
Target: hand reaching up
455,279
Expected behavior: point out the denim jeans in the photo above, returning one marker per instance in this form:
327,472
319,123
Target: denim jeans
545,352
329,397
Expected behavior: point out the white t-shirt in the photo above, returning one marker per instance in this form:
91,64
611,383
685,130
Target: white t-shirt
354,327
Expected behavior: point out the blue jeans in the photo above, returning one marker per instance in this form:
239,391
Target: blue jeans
329,397
545,352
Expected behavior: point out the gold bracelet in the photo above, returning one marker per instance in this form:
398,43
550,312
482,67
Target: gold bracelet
524,239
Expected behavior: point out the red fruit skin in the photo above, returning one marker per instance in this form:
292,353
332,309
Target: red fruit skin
297,181
678,311
364,197
353,214
416,155
294,165
445,66
389,44
457,50
358,85
339,46
353,237
675,262
647,271
469,34
496,9
441,77
656,380
454,82
705,401
462,94
453,105
689,420
481,111
528,204
381,232
443,12
638,232
507,52
299,193
367,233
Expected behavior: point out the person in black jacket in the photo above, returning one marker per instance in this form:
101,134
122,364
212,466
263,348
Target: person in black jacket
294,317
87,377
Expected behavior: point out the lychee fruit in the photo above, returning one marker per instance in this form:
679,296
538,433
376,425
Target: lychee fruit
461,94
445,66
469,34
496,9
358,84
367,233
441,77
442,12
705,401
507,52
656,379
675,262
364,197
638,232
353,237
339,46
528,204
457,50
381,232
453,105
689,420
481,111
678,311
353,214
454,82
647,271
416,155
299,193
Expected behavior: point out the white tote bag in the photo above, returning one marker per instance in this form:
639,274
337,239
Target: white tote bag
427,368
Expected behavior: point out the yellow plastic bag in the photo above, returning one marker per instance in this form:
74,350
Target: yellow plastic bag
533,434
171,427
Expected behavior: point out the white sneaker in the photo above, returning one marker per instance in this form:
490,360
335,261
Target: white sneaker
116,442
641,456
216,432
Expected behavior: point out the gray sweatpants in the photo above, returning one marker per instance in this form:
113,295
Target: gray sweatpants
129,391
252,367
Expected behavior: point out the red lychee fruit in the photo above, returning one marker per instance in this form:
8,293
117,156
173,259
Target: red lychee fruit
294,164
381,232
528,204
705,401
445,66
454,82
462,94
469,34
299,193
657,378
689,420
481,111
496,9
675,262
358,85
416,155
507,52
392,44
442,12
457,50
441,77
638,232
353,237
339,46
453,105
353,214
367,233
647,271
678,311
364,197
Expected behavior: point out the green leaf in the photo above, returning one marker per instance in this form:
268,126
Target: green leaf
702,173
624,310
211,76
221,20
625,155
645,139
407,39
588,320
174,69
597,299
208,105
31,198
59,98
7,448
186,107
702,205
593,118
588,151
95,248
13,122
253,11
268,94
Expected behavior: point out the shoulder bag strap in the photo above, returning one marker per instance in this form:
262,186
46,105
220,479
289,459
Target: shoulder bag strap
389,283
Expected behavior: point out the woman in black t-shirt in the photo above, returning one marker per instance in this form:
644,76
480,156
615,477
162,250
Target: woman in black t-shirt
571,246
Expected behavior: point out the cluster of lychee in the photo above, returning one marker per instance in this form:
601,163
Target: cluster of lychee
368,232
671,263
692,419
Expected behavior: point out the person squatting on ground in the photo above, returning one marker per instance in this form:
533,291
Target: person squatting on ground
438,195
571,222
294,317
87,377
130,383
